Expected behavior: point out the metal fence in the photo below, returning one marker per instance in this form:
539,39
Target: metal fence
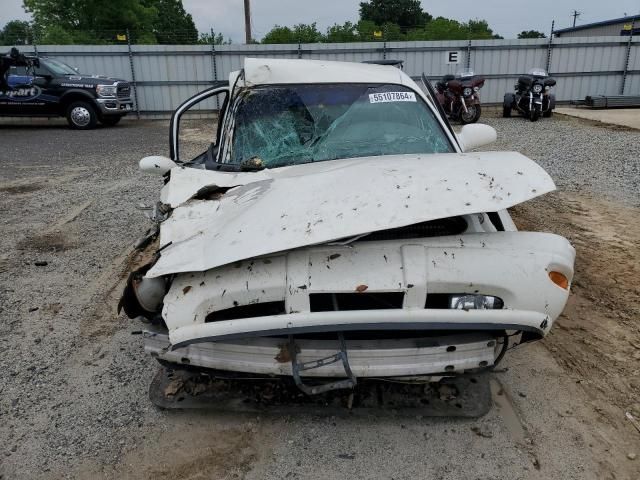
165,75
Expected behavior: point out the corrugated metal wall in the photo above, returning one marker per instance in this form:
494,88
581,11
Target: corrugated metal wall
165,75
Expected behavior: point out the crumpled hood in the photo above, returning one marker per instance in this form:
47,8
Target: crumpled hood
281,209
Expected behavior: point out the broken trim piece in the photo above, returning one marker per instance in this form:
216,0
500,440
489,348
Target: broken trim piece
401,319
367,358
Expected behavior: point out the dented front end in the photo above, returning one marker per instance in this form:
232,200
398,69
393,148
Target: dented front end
401,268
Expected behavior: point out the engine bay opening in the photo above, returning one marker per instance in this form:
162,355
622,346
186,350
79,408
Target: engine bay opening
434,228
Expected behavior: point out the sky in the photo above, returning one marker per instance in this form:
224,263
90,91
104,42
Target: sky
505,17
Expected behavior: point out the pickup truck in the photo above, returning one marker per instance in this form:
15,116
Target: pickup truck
46,87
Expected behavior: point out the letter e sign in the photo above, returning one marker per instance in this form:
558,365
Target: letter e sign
452,57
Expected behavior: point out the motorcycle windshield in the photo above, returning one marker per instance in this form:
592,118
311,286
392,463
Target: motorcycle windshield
538,72
466,73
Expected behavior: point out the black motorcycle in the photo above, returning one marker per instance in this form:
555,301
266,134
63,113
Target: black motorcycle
532,97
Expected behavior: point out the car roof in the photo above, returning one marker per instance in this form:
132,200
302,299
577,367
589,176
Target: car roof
277,71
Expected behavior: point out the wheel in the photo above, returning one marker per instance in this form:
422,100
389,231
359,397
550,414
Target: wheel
534,115
471,115
111,120
547,113
506,112
81,116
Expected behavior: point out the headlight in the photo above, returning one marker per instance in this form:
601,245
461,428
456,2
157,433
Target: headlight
475,302
537,88
467,91
476,89
106,90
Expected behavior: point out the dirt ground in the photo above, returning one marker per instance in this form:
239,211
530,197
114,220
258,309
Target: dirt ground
73,378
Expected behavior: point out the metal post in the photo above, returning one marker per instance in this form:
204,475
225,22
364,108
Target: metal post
384,50
214,65
299,49
35,44
469,54
549,46
247,21
626,61
133,76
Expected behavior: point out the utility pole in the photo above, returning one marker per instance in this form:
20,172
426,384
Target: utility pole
575,15
247,21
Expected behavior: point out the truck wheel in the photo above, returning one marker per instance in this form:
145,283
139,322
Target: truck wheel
506,112
81,116
111,120
547,113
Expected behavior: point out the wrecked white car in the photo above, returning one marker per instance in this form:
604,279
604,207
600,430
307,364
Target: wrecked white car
336,230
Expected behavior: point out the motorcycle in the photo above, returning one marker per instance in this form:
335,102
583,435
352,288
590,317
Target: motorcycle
532,97
459,96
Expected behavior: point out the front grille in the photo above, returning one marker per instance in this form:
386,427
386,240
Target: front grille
433,228
263,309
328,302
124,90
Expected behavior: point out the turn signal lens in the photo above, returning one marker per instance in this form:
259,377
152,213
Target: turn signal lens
559,279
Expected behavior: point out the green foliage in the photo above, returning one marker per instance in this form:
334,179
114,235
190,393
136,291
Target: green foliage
302,33
404,13
531,34
213,38
386,20
100,21
348,32
16,32
448,29
173,24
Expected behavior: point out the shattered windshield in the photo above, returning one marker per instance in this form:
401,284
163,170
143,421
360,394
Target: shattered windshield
292,124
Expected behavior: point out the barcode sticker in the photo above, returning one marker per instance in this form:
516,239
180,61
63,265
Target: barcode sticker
392,97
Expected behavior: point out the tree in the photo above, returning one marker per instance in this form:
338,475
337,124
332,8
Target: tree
301,33
16,32
404,13
95,20
213,38
348,32
172,23
531,34
479,30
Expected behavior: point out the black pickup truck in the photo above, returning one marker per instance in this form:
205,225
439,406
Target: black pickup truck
46,87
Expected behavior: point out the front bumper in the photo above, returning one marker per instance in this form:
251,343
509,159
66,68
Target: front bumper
367,358
114,106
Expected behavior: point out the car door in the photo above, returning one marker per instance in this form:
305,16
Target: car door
197,139
28,93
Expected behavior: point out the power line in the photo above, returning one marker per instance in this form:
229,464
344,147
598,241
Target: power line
575,15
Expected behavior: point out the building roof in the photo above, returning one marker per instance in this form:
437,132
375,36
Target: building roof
604,23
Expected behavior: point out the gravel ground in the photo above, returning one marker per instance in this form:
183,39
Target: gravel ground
74,380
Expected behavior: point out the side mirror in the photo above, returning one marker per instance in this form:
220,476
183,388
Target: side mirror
476,135
156,164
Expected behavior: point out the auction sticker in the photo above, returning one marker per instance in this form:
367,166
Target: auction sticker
392,97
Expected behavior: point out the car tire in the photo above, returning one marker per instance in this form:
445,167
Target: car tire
111,120
82,116
506,112
547,113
